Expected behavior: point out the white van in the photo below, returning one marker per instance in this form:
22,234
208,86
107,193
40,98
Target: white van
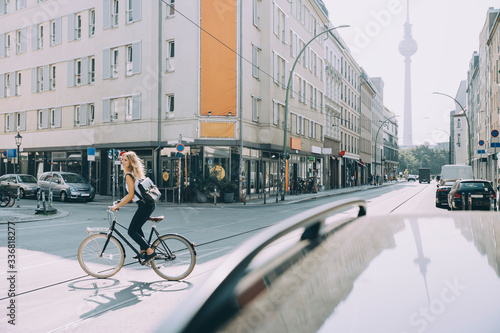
454,172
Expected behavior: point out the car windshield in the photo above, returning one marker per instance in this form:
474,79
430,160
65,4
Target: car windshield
474,186
70,178
449,184
27,179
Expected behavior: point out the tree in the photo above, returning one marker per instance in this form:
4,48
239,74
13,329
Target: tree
412,159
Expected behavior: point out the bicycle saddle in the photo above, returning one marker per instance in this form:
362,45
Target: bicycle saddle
156,219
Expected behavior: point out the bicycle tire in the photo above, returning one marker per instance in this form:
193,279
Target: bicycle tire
4,198
12,199
175,258
101,266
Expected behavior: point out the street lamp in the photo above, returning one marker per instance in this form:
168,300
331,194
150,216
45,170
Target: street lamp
376,148
466,118
285,127
19,140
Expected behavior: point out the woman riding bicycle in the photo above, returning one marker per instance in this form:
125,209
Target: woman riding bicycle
134,171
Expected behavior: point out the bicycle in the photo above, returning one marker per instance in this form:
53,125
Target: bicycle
7,198
102,255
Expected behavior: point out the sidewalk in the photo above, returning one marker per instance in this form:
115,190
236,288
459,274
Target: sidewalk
26,211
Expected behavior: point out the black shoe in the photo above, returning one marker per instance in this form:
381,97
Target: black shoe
146,258
138,256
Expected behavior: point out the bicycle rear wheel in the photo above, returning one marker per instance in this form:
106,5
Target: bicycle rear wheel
12,199
97,265
176,257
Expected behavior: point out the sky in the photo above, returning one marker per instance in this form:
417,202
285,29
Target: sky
447,33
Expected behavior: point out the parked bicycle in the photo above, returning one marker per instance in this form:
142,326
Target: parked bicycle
102,255
7,198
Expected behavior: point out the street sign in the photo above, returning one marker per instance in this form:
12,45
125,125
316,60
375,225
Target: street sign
180,147
11,153
495,144
90,154
481,151
494,133
481,142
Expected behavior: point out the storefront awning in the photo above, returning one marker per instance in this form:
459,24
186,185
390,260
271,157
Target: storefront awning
361,163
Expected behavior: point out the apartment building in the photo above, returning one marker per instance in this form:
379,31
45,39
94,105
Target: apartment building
378,120
114,75
390,158
334,49
365,147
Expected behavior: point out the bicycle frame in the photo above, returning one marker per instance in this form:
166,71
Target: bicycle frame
112,229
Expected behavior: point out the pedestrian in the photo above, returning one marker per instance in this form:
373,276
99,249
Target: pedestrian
134,171
376,179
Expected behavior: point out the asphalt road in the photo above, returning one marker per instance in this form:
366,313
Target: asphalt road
53,294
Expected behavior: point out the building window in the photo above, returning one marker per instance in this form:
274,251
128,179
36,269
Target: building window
52,118
39,81
255,10
255,108
130,11
7,85
170,103
6,6
52,77
170,8
92,22
114,63
133,11
18,84
7,45
129,108
78,72
40,37
114,109
52,32
458,123
130,61
280,69
20,4
114,14
40,119
77,115
91,69
170,56
18,41
280,24
255,61
91,113
78,26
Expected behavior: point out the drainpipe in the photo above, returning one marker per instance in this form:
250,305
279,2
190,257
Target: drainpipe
157,151
241,189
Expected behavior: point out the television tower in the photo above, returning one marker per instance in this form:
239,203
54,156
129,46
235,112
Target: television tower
407,48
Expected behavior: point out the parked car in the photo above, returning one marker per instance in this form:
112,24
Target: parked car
317,272
412,178
66,185
443,188
27,184
479,192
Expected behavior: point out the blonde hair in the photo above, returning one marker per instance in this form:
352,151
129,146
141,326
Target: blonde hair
136,163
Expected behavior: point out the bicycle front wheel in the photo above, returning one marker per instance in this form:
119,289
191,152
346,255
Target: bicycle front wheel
96,263
4,198
176,257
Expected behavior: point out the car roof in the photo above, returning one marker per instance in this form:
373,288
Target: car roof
366,274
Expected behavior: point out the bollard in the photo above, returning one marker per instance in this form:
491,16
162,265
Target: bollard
43,203
18,196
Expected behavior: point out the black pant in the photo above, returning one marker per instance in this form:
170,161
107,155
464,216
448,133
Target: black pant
140,217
